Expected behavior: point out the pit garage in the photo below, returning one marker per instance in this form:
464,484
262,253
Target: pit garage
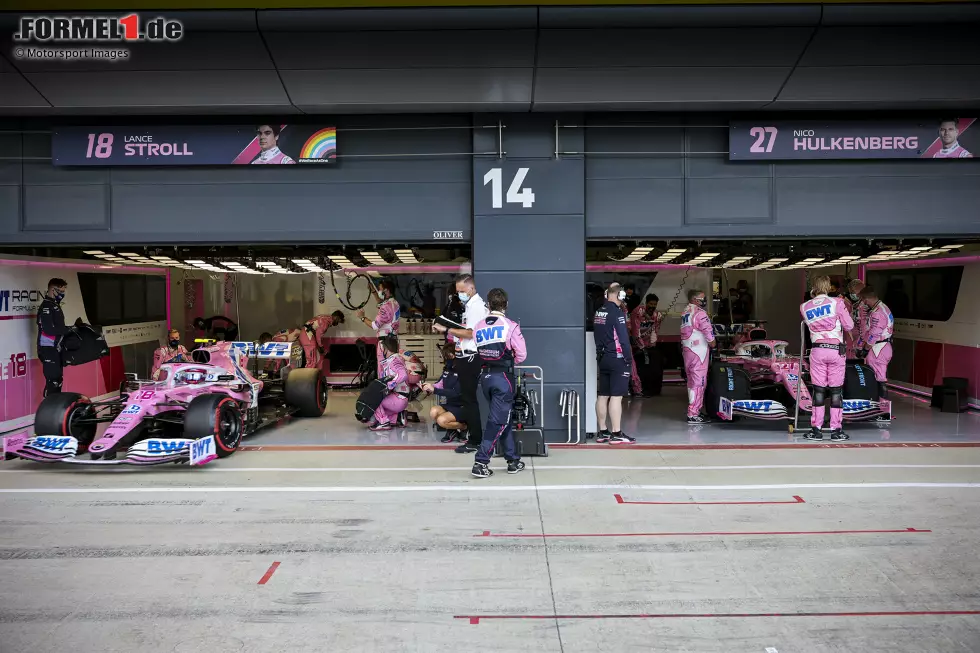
754,289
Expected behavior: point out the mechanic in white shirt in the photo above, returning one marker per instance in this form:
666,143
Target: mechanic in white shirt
468,365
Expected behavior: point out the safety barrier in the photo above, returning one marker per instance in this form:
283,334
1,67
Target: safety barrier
571,404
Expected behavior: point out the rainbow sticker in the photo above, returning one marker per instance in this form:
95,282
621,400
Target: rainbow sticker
321,147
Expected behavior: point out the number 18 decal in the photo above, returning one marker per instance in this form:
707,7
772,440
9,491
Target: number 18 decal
515,195
103,147
760,134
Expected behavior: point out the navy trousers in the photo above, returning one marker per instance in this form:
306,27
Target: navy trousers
498,388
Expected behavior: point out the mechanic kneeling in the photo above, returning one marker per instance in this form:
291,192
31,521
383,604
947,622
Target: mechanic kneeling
500,345
448,415
395,374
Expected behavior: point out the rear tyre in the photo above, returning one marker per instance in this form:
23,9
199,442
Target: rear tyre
59,414
306,389
218,415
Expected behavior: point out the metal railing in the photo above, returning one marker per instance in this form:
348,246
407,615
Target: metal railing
571,405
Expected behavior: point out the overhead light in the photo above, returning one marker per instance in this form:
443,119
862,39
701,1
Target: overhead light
676,251
635,255
374,258
775,261
267,264
921,249
302,261
105,256
341,260
194,262
406,256
949,247
94,252
129,254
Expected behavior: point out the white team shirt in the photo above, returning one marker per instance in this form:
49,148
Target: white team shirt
476,310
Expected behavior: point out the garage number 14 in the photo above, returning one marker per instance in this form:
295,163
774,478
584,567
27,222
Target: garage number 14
515,194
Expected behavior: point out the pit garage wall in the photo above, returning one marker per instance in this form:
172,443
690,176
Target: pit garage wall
666,180
398,180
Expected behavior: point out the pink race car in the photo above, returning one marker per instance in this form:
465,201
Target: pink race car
191,411
759,379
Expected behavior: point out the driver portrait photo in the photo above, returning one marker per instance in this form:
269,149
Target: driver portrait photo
268,136
949,134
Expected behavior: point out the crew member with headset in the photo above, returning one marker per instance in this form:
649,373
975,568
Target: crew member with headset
827,318
50,330
467,363
612,347
878,338
500,345
387,321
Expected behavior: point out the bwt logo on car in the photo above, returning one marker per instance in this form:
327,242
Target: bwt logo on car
857,405
754,406
165,446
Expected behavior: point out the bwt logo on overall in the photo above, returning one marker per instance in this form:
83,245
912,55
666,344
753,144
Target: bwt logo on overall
818,312
490,334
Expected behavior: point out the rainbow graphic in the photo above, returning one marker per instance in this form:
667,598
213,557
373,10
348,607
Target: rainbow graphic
321,147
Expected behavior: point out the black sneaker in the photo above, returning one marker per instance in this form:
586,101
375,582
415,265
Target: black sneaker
697,419
401,421
449,437
482,470
515,467
813,434
603,436
621,438
463,436
465,448
838,435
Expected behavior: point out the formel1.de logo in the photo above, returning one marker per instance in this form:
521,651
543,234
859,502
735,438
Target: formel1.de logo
97,29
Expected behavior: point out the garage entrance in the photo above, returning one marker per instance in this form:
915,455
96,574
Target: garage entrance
754,289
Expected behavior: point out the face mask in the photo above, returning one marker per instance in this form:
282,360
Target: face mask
853,296
463,297
58,296
702,302
174,343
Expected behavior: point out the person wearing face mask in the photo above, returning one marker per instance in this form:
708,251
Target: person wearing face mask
827,319
50,330
644,325
169,352
387,321
878,338
697,337
467,363
854,339
614,357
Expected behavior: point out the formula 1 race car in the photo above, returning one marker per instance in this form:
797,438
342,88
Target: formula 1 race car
191,411
759,379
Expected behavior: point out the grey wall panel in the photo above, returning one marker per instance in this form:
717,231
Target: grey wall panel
721,201
621,167
18,93
610,48
531,243
545,178
11,173
539,299
334,212
885,205
890,46
882,84
9,210
907,168
42,172
396,19
679,16
162,89
404,90
622,207
649,87
50,207
558,351
403,50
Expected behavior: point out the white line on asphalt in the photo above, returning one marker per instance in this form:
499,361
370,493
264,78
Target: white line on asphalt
466,488
537,467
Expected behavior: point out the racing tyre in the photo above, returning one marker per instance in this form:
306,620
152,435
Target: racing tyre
60,414
218,415
306,389
860,383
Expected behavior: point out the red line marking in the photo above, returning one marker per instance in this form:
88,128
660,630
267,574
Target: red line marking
719,533
619,499
632,447
268,574
475,619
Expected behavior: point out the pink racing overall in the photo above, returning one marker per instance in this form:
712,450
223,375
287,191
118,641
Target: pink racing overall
397,399
878,340
854,338
643,328
828,319
311,338
696,333
385,324
164,354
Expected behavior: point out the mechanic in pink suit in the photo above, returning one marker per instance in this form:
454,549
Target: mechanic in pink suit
828,319
168,352
697,336
854,339
395,374
311,337
386,323
878,336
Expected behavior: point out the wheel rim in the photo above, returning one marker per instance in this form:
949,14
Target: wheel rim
229,427
78,431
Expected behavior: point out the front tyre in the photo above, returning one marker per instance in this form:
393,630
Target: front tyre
218,415
306,389
66,413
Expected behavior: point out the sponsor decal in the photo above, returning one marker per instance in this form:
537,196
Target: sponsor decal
65,445
161,447
859,405
725,408
203,451
817,312
131,409
20,301
489,334
760,407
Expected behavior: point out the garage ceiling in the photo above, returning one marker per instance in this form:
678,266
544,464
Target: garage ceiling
661,58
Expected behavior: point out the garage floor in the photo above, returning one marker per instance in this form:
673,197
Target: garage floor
657,420
588,550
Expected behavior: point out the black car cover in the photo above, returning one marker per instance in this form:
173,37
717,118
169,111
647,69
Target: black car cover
83,344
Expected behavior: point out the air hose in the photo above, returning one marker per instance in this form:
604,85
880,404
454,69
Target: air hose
349,303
